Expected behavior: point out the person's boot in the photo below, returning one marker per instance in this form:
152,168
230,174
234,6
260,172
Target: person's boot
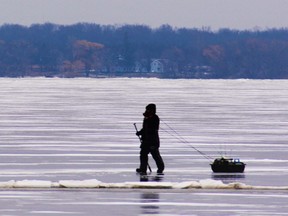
160,172
141,172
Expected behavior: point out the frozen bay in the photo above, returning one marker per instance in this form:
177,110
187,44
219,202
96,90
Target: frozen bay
80,129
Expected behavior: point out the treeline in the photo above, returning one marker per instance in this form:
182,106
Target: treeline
96,50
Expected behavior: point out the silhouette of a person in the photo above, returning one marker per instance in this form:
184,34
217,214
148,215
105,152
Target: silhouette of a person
150,140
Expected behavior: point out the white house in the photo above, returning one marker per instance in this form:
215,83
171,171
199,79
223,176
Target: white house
157,66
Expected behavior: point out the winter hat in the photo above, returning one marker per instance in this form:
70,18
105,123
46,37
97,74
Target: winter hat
151,107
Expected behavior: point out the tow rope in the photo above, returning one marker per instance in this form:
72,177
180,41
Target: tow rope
176,135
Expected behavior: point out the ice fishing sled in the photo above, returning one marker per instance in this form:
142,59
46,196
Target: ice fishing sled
227,165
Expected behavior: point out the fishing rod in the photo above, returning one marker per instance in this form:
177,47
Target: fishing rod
141,144
181,139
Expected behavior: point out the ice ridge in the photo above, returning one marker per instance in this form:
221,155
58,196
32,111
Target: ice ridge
94,183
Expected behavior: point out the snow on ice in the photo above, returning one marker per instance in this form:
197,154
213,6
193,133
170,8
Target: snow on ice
94,183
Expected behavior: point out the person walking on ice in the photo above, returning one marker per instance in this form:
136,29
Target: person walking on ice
150,141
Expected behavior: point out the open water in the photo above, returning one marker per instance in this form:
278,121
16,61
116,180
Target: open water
68,147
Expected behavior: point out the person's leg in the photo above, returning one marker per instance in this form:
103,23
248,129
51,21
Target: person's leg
158,159
143,161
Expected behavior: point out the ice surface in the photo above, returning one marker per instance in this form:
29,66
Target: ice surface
60,134
53,129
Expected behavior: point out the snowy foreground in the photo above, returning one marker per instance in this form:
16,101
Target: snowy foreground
93,183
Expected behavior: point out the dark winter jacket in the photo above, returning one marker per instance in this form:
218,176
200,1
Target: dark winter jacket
149,132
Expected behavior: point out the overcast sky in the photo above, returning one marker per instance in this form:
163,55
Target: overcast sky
235,14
